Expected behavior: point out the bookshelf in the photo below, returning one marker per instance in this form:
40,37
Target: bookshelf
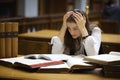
8,39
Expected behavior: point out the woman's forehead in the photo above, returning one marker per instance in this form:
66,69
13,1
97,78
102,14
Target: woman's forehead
71,24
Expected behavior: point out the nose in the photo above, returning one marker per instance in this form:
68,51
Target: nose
72,32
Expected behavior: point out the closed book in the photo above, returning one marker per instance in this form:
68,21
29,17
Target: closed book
14,43
2,40
113,58
111,71
115,68
112,74
8,35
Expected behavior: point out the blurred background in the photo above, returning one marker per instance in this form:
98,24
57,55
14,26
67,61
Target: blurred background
16,10
36,15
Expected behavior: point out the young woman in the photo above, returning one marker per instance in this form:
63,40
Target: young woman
76,36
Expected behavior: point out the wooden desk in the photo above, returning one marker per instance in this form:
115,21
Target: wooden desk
44,35
111,38
111,42
10,73
47,34
36,42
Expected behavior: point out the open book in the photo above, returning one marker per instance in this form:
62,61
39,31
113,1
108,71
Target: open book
105,59
28,64
48,62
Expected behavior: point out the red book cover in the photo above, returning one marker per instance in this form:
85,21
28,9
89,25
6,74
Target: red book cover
46,64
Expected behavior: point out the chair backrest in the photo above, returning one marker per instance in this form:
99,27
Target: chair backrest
109,26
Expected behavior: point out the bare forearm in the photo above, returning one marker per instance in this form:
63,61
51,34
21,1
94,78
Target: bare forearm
64,26
62,33
84,32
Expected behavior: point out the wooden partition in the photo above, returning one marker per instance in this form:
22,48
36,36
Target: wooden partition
33,24
56,21
33,47
36,42
109,26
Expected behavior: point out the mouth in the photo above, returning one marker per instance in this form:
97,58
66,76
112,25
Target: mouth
74,36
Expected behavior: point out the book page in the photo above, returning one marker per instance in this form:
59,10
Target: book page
56,57
77,61
11,60
56,66
31,62
104,57
52,57
32,56
114,53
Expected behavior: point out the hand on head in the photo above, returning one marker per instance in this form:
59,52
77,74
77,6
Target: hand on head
80,19
76,15
67,15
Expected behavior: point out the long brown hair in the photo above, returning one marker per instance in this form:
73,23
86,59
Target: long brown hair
69,41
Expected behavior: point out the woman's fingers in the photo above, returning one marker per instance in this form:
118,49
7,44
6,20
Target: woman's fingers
80,20
65,17
78,16
68,14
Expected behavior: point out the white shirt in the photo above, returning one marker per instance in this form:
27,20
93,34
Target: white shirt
92,43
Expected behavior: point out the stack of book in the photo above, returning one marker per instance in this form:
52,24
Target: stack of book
8,39
109,62
111,71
